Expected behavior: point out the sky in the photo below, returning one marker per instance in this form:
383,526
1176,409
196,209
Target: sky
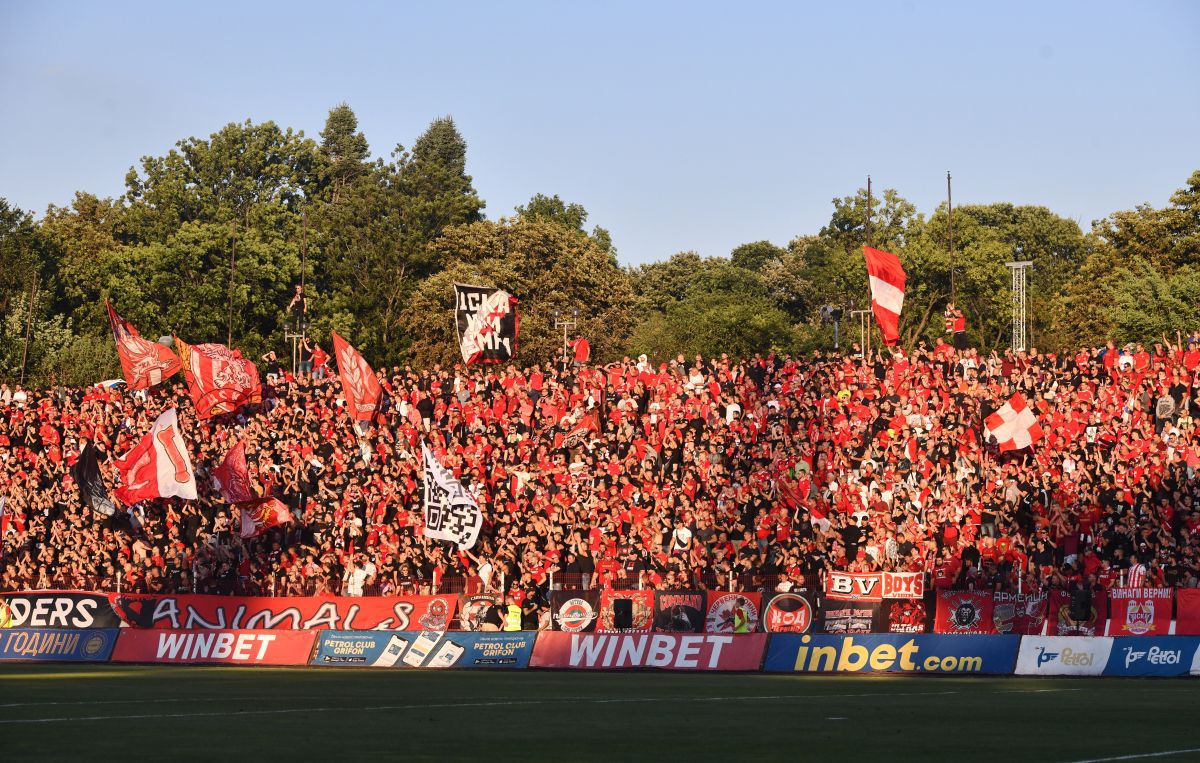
678,125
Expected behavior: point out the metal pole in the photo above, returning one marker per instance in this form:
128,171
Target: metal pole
232,269
868,210
950,237
28,325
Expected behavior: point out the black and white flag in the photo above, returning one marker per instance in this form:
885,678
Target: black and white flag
487,323
450,511
86,473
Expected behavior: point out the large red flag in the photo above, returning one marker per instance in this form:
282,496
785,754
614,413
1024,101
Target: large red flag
359,384
1014,426
219,380
9,516
159,466
886,277
262,514
233,476
144,363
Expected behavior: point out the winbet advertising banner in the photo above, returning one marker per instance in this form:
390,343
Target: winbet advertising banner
669,651
221,647
1063,655
891,653
1162,656
57,645
425,649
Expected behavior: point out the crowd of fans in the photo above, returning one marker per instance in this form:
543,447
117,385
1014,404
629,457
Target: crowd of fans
693,473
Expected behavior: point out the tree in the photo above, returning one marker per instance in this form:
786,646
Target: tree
344,151
545,266
1165,238
434,181
756,255
571,216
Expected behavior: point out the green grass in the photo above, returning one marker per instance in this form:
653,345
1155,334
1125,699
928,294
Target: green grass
58,712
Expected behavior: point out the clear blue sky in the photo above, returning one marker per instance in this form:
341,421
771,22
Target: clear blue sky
677,125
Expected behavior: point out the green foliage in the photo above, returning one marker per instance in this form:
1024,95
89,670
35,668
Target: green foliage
756,255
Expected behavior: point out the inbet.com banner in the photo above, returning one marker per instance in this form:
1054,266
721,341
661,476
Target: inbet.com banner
891,653
56,609
669,651
393,613
223,647
425,649
94,645
1162,656
1063,655
874,586
725,610
1139,611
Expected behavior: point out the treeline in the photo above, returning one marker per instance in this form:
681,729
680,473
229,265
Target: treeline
209,241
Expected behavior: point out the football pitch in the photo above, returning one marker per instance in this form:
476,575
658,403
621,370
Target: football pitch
60,712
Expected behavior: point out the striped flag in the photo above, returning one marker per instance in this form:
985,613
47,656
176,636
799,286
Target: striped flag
886,277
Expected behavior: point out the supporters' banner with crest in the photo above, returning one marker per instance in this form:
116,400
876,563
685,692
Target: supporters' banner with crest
261,514
487,323
143,362
219,379
626,611
1187,612
1140,611
679,611
159,466
232,477
874,586
202,611
1021,614
359,384
964,612
1089,620
450,511
575,611
726,611
86,473
907,616
793,612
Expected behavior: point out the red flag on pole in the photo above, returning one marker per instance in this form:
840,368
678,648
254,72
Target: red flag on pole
159,466
359,384
886,277
143,362
262,514
233,476
219,379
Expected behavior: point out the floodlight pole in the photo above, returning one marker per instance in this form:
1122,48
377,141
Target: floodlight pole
1020,334
564,323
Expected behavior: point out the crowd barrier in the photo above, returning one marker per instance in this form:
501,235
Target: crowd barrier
613,630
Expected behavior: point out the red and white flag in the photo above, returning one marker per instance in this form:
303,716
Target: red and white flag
143,362
886,277
219,379
1014,426
9,518
262,514
359,384
159,466
233,476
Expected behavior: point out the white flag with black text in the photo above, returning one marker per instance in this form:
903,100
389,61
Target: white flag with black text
450,511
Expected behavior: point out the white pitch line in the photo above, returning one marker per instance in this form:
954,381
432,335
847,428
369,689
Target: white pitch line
1140,756
146,701
505,703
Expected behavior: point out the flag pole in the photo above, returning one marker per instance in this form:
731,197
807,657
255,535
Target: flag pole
232,267
28,324
868,210
950,237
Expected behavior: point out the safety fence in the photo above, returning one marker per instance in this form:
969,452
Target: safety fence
688,631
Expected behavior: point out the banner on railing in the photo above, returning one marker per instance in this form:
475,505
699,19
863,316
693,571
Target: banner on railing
574,611
56,609
1160,657
626,611
1019,613
874,586
1187,612
472,610
905,617
1063,655
679,611
425,649
1140,611
1085,617
843,617
57,645
891,653
186,611
222,647
790,613
727,610
668,651
964,612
